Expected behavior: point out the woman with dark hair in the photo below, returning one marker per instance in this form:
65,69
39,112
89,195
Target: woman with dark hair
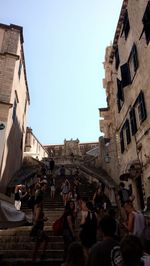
88,232
69,225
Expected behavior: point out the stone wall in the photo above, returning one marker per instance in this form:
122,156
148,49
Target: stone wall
14,101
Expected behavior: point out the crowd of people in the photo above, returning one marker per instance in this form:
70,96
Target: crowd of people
107,235
101,233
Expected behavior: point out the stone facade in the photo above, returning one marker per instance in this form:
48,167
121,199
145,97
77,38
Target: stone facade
14,101
107,144
33,148
130,68
70,148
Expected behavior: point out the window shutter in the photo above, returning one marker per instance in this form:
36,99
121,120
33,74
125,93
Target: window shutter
120,93
125,74
121,141
117,58
127,128
126,25
133,121
142,106
146,22
135,57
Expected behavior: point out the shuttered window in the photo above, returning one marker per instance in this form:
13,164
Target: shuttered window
146,22
133,62
126,25
120,94
125,74
121,141
117,58
133,121
141,107
127,131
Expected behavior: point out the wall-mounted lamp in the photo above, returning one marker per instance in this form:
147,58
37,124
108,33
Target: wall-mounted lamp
135,170
107,158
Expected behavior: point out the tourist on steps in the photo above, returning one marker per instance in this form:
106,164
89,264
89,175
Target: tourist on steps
65,190
37,233
19,195
69,225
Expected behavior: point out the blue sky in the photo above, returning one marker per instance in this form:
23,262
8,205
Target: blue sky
64,45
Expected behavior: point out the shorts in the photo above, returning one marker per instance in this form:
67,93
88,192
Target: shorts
37,233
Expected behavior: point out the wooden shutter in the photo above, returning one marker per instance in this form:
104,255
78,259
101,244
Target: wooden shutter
127,128
133,121
146,22
125,74
121,141
135,57
142,106
117,58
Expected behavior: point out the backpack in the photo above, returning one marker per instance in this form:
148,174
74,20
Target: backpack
116,258
58,226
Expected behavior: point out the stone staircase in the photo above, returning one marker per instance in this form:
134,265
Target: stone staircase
16,246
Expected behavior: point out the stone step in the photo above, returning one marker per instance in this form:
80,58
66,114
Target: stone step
28,245
20,234
23,253
28,262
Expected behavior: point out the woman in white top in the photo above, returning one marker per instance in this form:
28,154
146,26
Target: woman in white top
135,223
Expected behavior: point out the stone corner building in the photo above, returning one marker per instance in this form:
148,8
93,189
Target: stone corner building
14,101
33,148
127,82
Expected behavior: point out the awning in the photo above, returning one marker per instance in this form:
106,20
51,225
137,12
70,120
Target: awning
132,169
124,177
93,152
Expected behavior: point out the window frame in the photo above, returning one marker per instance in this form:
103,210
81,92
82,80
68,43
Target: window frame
141,107
146,23
120,95
117,58
126,25
133,59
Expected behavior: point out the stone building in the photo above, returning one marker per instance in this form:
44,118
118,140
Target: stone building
108,158
33,148
70,147
130,68
14,101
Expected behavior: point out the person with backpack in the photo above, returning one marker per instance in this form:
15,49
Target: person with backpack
123,193
106,252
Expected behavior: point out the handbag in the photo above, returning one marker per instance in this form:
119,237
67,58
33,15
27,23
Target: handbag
58,226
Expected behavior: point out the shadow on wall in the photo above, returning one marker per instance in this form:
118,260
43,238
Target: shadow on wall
14,156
